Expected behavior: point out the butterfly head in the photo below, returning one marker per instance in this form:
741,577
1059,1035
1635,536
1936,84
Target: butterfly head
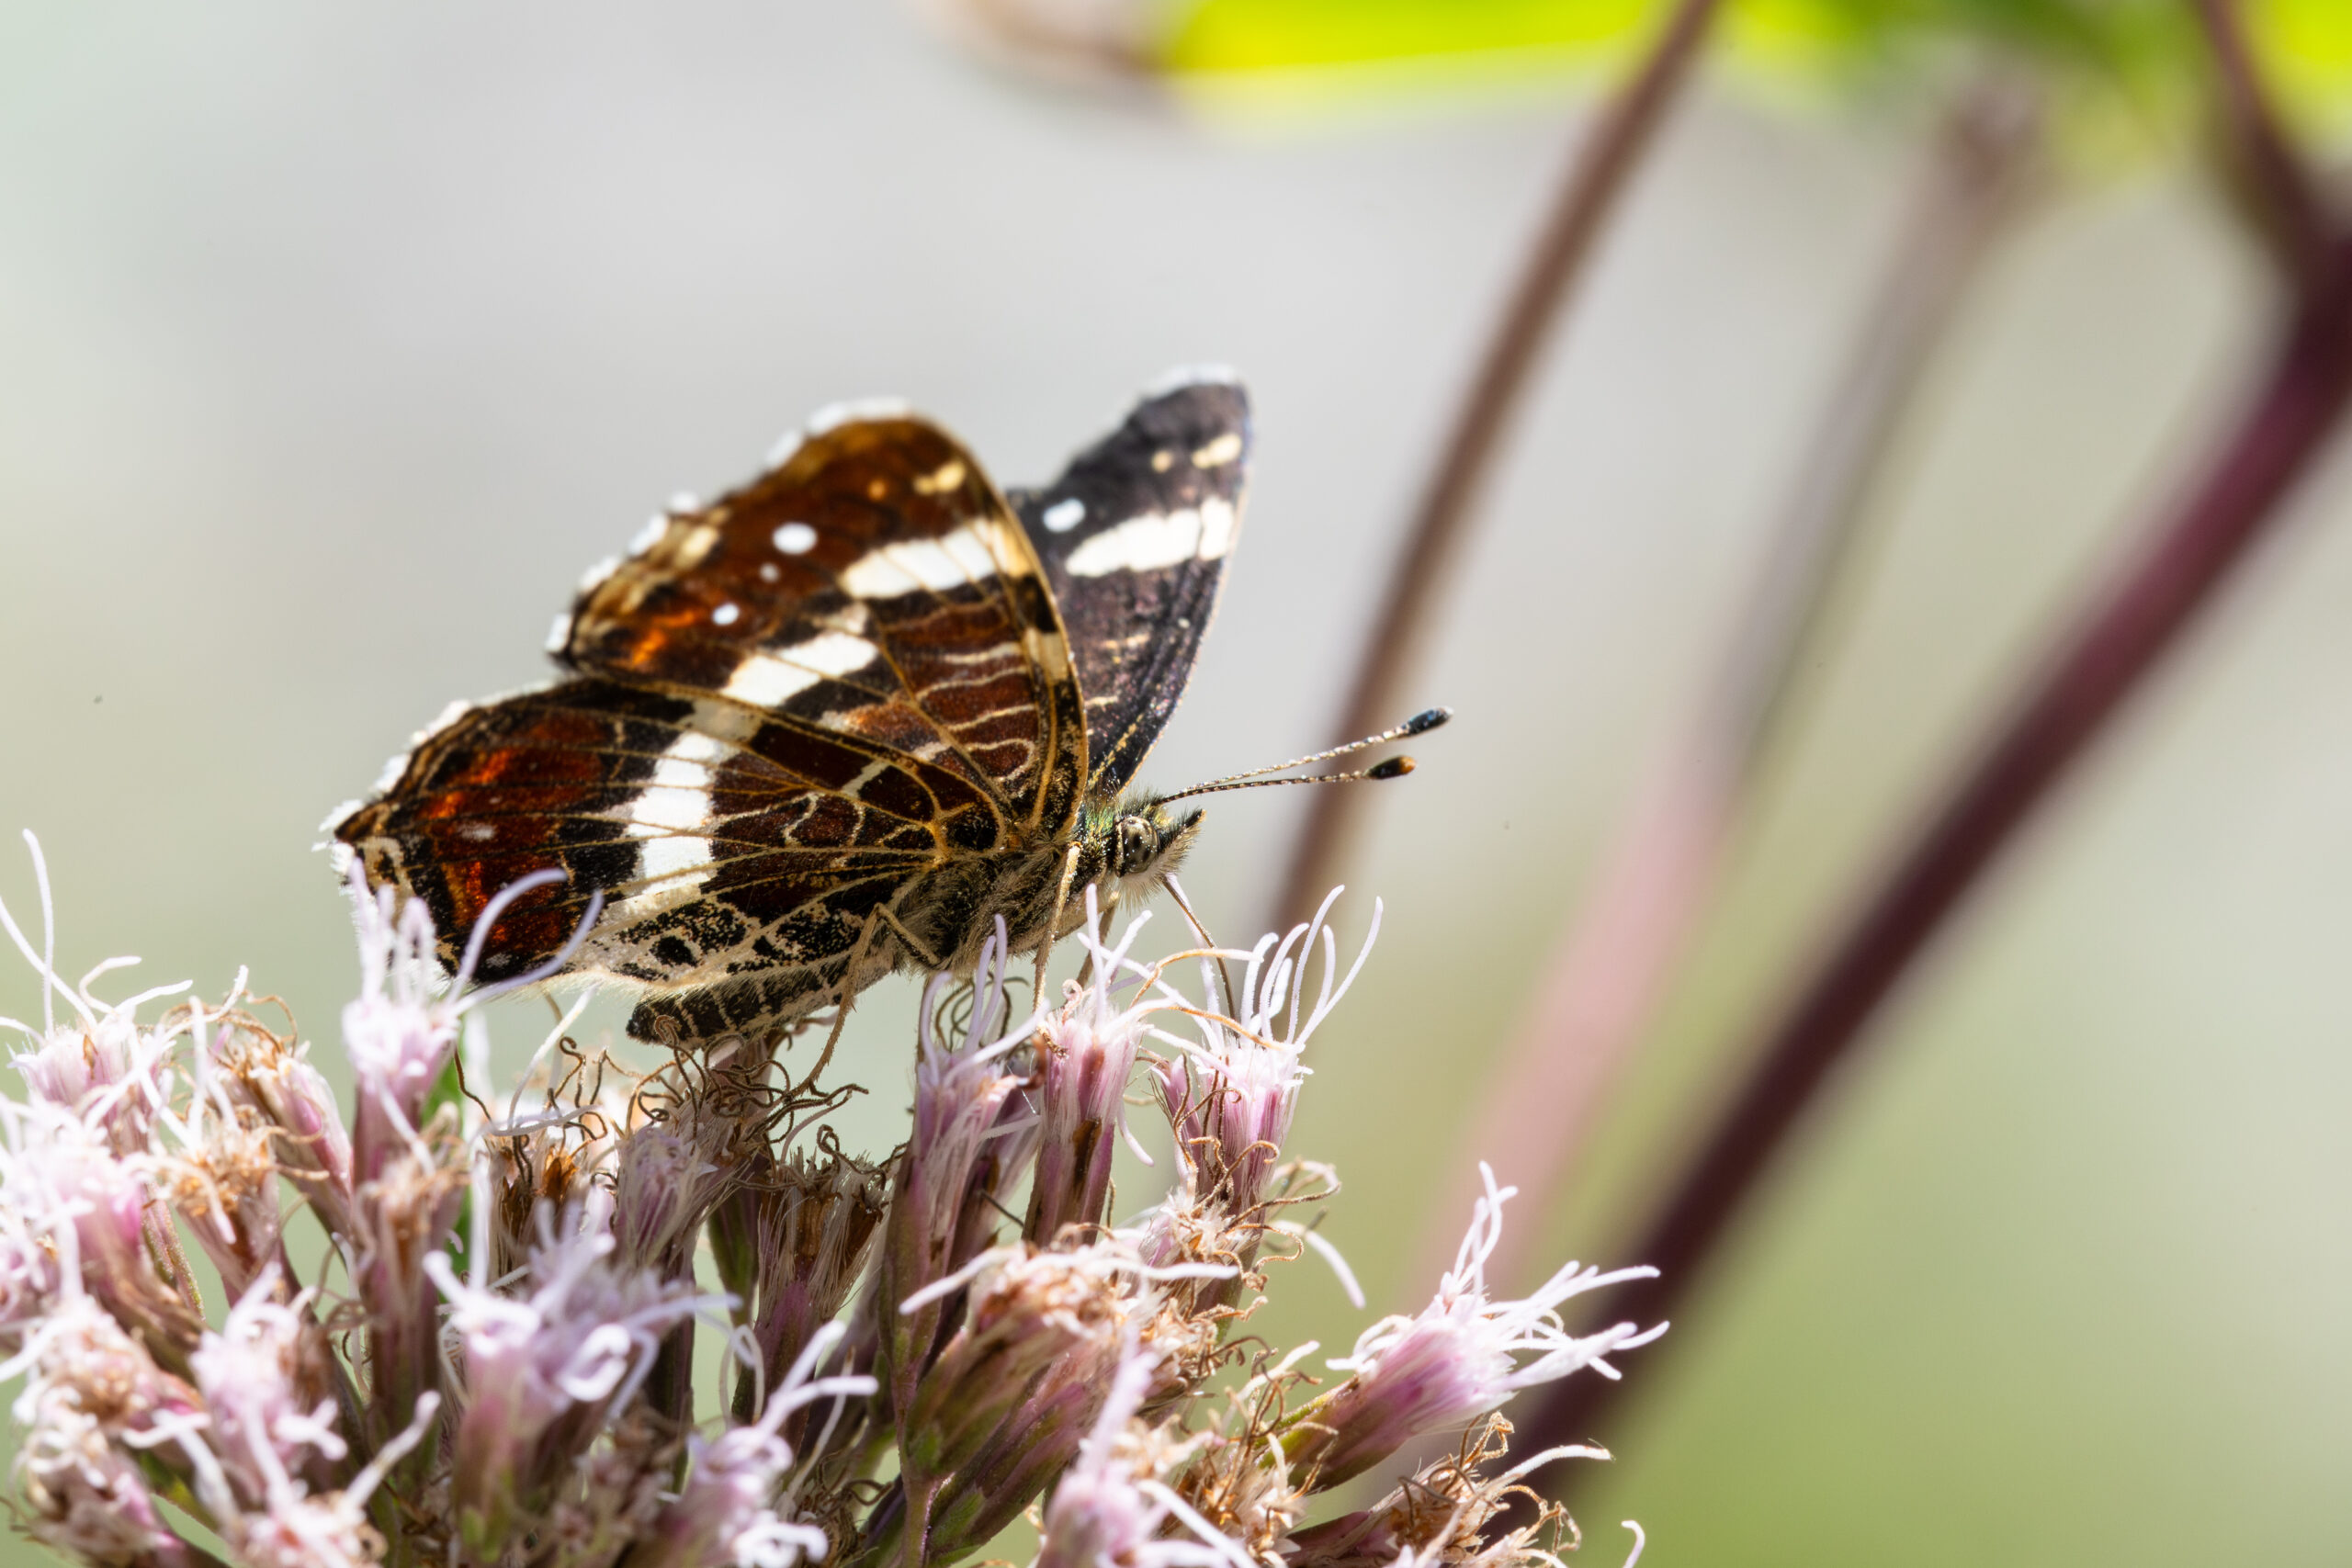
1142,841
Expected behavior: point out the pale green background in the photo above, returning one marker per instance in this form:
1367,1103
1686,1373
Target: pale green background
333,344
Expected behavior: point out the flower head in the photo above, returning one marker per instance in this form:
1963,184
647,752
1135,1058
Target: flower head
728,1511
94,1401
1233,1095
1085,1053
268,1391
1459,1359
962,1095
541,1364
1113,1508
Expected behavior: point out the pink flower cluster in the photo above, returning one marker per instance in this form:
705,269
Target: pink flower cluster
491,1360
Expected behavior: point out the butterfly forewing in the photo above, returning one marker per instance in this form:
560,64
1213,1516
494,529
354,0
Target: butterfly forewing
873,584
1133,537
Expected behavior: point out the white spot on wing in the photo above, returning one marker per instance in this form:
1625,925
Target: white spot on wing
593,578
714,722
726,615
1218,523
666,815
794,538
766,680
685,501
957,560
947,476
559,634
876,576
1219,452
675,856
768,572
649,535
781,453
970,552
1156,540
1064,515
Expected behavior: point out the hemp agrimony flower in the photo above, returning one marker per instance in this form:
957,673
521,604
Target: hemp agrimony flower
494,1365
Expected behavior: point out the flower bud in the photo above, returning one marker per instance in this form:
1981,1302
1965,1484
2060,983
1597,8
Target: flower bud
275,1079
1085,1054
799,1234
960,1106
402,1216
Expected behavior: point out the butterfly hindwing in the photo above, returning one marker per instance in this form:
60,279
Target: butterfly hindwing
721,843
1133,536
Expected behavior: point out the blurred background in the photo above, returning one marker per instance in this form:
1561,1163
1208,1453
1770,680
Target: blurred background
337,342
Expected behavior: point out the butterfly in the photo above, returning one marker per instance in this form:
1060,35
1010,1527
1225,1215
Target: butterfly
838,722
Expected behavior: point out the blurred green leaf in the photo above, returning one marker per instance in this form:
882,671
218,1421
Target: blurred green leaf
1266,35
2132,63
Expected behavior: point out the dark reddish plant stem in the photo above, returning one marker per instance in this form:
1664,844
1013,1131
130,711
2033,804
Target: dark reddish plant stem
2285,201
1615,964
2123,636
1400,630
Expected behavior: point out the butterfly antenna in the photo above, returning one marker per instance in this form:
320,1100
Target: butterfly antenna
1390,768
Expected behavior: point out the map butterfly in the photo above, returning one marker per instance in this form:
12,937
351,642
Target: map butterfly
837,722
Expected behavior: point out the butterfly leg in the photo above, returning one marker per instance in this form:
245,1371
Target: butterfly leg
847,993
924,955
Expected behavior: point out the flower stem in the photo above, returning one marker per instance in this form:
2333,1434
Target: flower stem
2288,207
2118,639
1615,961
1397,632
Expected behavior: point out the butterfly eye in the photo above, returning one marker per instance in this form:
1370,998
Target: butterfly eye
1137,841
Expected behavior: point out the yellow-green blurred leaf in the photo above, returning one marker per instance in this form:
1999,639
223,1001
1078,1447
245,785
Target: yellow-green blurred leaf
2142,58
1274,35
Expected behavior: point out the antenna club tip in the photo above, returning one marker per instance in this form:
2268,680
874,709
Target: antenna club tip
1422,723
1394,768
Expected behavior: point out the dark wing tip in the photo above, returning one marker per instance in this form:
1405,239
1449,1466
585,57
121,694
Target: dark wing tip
1191,415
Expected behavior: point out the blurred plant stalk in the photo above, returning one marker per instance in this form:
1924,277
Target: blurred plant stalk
1399,634
2119,636
1614,963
